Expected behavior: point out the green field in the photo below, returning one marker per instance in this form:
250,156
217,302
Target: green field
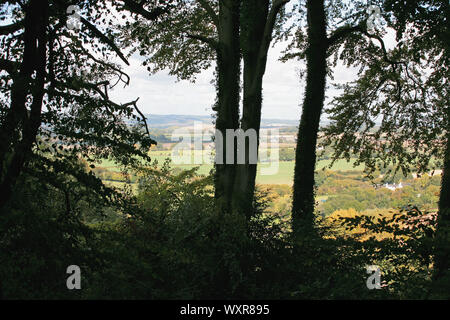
282,175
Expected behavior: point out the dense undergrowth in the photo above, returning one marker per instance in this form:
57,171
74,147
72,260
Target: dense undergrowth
170,243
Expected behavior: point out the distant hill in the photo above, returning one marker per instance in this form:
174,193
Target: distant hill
175,120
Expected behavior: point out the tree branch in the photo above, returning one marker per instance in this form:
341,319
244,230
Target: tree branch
104,39
104,95
268,30
340,34
139,10
120,72
343,32
144,120
11,28
212,14
211,42
271,18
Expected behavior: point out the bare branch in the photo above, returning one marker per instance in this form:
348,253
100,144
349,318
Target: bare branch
112,67
383,48
144,120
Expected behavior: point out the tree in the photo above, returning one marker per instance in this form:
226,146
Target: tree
411,99
55,86
187,41
303,192
258,19
54,105
33,60
349,41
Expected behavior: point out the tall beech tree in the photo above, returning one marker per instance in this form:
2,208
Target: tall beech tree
54,84
348,41
258,19
305,159
411,101
188,40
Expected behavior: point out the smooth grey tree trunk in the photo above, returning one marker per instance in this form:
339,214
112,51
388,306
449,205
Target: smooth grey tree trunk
257,24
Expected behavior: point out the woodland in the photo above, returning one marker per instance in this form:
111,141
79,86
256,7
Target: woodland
166,233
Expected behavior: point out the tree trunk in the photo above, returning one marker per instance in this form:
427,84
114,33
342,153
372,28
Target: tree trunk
257,24
228,67
253,24
303,194
13,152
244,186
442,243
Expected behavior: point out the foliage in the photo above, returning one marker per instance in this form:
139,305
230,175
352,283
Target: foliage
402,120
44,229
170,243
170,239
66,111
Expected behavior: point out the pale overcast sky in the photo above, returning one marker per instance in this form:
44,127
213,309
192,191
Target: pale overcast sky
163,94
283,89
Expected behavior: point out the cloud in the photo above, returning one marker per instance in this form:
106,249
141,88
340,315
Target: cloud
282,95
163,94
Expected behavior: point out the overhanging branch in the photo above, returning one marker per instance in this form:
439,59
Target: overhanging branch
11,28
212,14
211,42
138,9
104,39
342,32
144,120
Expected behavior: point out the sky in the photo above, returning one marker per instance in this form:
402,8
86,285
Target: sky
282,94
164,94
282,88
